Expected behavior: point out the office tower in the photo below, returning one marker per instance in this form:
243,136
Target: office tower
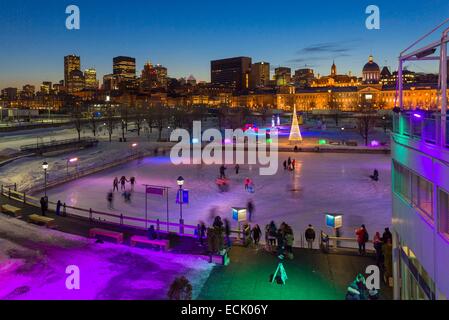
260,75
283,76
9,94
76,81
110,82
90,76
124,68
71,63
304,77
232,72
46,87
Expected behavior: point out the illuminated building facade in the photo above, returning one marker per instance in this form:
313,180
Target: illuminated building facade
282,76
420,161
90,77
124,69
71,63
304,77
260,75
232,72
371,72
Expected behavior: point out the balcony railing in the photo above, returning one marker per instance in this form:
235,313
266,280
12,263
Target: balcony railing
423,126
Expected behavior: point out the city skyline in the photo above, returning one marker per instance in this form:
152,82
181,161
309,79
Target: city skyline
178,40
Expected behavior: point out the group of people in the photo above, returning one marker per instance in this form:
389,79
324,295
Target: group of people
122,181
126,193
290,164
280,240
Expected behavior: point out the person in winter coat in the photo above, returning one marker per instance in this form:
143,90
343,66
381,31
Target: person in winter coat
256,234
362,238
357,289
310,236
58,208
115,185
44,205
377,241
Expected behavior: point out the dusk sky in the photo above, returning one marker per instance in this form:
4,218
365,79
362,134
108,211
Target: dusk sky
185,35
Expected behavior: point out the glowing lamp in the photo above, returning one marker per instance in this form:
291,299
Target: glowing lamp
45,165
180,181
73,160
134,145
417,115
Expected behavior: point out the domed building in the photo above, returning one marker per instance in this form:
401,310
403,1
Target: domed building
371,72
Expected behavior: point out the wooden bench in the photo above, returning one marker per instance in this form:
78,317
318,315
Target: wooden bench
118,236
8,209
163,244
41,220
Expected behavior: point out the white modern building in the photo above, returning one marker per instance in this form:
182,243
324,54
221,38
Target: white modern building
420,155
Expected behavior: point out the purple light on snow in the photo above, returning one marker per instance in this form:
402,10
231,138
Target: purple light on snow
417,115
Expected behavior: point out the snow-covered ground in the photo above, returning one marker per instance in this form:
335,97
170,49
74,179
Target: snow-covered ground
335,183
33,264
27,172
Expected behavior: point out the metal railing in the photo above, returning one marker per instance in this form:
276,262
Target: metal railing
59,143
427,127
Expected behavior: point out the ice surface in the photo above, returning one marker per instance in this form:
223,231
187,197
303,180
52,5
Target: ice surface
336,183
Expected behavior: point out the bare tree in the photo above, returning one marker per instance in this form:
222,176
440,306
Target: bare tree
93,120
77,118
366,122
110,121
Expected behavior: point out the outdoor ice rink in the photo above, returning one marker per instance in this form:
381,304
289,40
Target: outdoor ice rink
336,183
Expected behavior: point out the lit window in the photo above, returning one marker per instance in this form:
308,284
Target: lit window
443,211
422,195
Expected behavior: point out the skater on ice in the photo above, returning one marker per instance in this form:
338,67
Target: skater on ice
375,176
123,182
132,180
115,185
250,210
237,169
222,172
285,165
127,196
110,198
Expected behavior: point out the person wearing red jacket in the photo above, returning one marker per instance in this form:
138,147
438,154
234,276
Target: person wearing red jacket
362,239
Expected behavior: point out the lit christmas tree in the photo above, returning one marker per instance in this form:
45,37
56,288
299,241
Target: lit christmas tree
295,133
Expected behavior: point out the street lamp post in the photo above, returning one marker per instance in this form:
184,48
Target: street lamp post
180,182
45,167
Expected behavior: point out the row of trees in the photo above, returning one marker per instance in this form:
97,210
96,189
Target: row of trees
159,117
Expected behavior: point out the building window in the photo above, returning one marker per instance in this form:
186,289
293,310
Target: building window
402,178
443,216
422,195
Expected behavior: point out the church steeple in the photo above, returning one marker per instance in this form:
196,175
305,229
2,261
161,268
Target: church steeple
333,69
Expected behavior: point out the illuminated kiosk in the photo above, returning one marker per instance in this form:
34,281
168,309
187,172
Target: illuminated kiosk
335,221
417,259
295,132
241,216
